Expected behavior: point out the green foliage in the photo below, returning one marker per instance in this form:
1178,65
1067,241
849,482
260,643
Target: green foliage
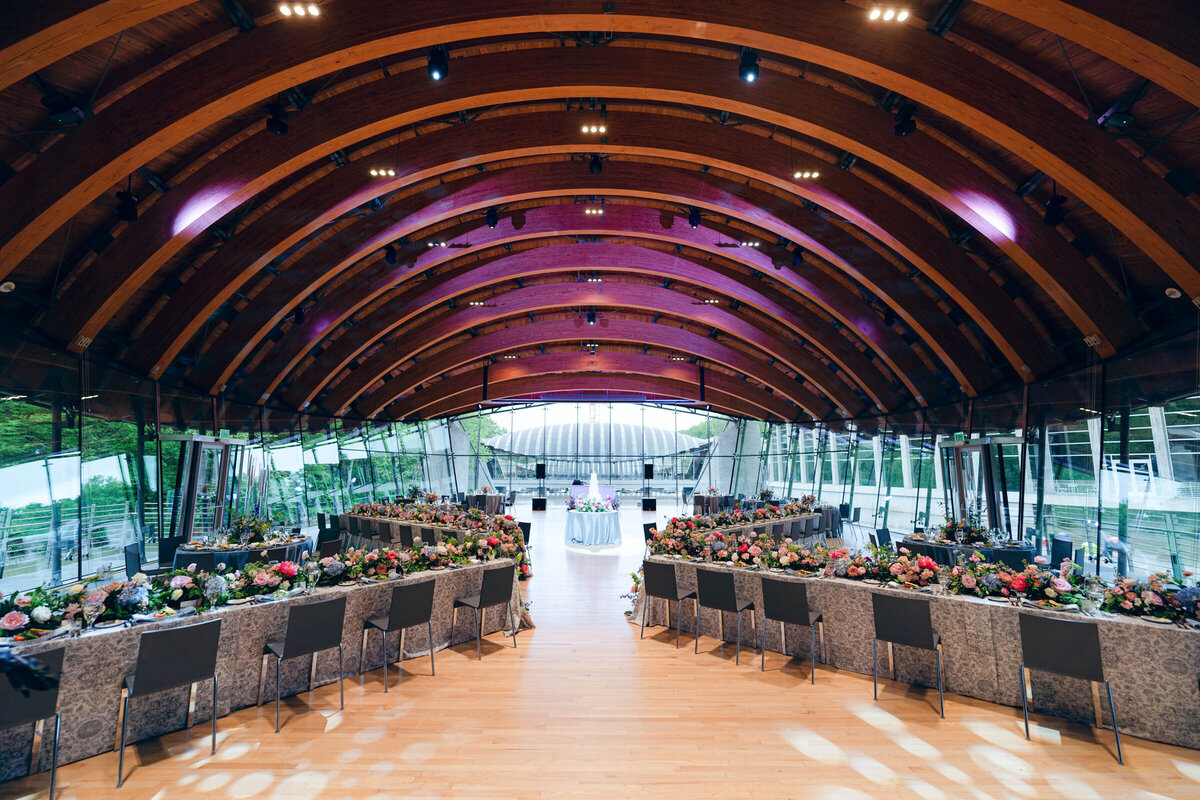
702,430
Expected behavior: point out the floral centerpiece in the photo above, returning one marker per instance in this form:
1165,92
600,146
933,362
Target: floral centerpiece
431,497
765,494
28,615
1153,597
485,490
432,556
902,568
252,530
712,491
382,565
590,504
966,532
789,555
678,538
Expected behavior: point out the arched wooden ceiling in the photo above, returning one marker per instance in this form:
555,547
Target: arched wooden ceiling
909,273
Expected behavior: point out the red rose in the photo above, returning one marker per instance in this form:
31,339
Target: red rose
493,541
1018,583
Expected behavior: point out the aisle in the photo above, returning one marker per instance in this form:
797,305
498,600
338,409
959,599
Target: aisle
583,708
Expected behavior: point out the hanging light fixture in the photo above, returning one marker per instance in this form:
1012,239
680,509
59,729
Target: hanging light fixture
595,164
437,63
276,114
127,203
748,65
904,122
694,217
492,218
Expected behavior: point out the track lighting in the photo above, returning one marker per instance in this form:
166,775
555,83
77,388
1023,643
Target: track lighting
887,13
299,9
1055,213
437,63
509,356
389,255
905,124
275,119
749,243
595,164
694,217
127,205
708,301
595,279
436,244
806,175
595,211
492,218
748,65
594,129
383,173
679,358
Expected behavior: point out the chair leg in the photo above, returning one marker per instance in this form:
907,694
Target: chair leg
678,620
762,648
1024,698
737,658
278,661
214,713
385,659
54,753
362,654
696,645
121,749
645,605
341,680
812,652
875,666
478,637
1116,733
432,666
512,624
941,692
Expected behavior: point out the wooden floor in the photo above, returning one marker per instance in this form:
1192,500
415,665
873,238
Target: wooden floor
583,708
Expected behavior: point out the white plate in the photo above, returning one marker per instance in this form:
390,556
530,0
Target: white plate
109,623
871,582
995,599
238,601
1158,620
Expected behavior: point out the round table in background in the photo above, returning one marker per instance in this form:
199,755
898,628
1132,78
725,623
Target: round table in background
593,528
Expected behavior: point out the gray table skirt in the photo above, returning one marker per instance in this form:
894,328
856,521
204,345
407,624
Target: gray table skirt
1154,669
96,664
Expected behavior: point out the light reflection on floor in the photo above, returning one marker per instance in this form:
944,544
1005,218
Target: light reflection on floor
584,709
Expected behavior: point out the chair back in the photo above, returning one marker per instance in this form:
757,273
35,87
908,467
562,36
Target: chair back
312,627
133,560
383,530
786,601
775,531
1064,646
497,586
176,657
903,620
405,534
646,530
944,555
294,531
352,525
328,535
412,604
810,525
1011,558
526,529
715,589
883,537
329,548
915,548
276,554
659,580
167,545
1060,551
17,709
322,523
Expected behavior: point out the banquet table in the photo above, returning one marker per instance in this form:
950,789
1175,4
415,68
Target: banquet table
1027,552
97,662
1154,669
236,558
491,503
593,527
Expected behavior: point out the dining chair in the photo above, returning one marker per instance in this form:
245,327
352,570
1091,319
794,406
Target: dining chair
787,602
169,659
133,562
496,590
34,709
1060,551
944,555
329,548
716,590
1011,557
311,628
526,530
658,580
648,535
403,533
1063,647
905,621
412,605
204,561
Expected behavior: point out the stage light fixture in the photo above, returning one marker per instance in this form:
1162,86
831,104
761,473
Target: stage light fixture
594,211
437,63
492,218
749,243
300,9
595,279
905,124
127,205
276,114
805,175
694,217
509,356
797,257
888,13
679,358
748,65
591,317
1055,213
595,164
383,173
594,129
389,255
436,244
298,317
476,303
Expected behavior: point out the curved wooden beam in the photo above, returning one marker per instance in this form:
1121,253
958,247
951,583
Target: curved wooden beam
647,135
713,275
469,386
523,334
731,405
610,296
1126,193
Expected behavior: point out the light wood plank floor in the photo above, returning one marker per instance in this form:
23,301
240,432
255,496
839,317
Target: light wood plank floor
583,708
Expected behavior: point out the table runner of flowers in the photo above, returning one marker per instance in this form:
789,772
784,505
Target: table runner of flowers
593,505
1061,587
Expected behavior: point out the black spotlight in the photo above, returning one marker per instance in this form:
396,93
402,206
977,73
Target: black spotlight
905,124
797,257
492,218
127,205
595,164
694,217
275,122
438,64
389,255
299,316
748,65
591,317
1055,213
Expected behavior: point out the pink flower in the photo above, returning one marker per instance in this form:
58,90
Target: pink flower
968,581
181,582
1152,598
1126,605
191,567
1018,583
904,550
261,578
24,601
96,598
896,569
1039,559
287,569
1059,585
755,550
14,621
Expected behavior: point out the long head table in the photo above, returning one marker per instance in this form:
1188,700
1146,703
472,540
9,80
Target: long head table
96,663
1154,669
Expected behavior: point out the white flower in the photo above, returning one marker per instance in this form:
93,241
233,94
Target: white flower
76,589
40,614
285,585
140,578
178,593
